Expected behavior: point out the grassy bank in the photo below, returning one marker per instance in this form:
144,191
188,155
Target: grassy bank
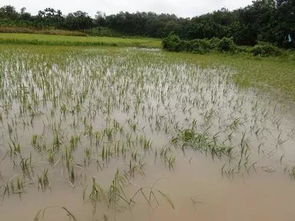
276,74
60,40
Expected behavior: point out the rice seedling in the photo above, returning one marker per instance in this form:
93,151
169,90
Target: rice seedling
74,140
14,186
116,191
202,142
150,195
43,180
87,157
85,111
26,166
135,167
146,144
15,149
42,212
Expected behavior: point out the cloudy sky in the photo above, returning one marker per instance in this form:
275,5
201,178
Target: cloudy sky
184,8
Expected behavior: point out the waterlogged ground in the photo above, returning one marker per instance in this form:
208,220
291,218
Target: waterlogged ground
129,134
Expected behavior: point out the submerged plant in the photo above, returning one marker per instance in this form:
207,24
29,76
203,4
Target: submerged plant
43,180
202,142
42,212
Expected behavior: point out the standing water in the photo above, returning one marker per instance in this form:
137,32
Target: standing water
127,134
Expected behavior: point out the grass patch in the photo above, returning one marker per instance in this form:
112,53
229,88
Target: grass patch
61,40
276,74
201,142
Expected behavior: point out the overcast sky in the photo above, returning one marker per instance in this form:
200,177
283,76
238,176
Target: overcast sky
183,8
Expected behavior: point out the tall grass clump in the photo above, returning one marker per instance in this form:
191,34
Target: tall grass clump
265,49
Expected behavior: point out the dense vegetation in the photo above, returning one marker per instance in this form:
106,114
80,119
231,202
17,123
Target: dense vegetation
202,46
265,20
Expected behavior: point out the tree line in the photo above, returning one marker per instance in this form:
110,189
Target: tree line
264,20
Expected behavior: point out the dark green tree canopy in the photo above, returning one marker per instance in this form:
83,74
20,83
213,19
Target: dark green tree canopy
264,20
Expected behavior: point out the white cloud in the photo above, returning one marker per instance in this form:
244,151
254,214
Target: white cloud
184,8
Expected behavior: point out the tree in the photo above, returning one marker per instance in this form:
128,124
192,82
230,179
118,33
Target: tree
8,11
78,21
285,32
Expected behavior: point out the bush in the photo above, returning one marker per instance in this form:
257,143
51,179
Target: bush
200,46
172,43
265,49
185,46
226,45
213,43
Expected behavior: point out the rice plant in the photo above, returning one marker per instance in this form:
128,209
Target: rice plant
70,116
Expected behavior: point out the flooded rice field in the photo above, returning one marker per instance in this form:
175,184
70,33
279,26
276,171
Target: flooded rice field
127,134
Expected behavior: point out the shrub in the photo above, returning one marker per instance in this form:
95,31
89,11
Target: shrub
226,45
185,46
214,42
172,43
200,46
265,49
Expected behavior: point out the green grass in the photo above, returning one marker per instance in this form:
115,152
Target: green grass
41,39
275,74
271,73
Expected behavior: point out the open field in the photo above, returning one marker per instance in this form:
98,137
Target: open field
119,133
40,39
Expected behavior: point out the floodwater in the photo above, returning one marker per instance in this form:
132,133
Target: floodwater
93,134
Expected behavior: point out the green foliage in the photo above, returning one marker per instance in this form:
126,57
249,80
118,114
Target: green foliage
265,49
226,45
189,138
264,20
199,46
78,21
172,43
213,43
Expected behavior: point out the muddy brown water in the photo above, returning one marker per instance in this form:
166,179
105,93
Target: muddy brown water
124,109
